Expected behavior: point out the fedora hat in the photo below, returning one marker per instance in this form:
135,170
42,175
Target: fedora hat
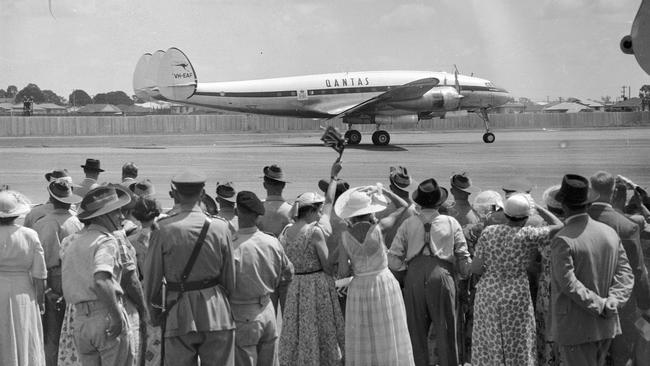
142,188
429,194
358,201
92,164
102,200
462,182
517,206
400,177
226,192
57,173
341,186
10,206
274,172
61,190
575,191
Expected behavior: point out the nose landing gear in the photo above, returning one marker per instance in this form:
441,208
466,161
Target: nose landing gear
488,137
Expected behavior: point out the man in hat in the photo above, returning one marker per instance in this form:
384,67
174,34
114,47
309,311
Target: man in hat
226,202
91,169
432,245
38,211
400,180
591,279
91,273
52,229
262,270
198,319
129,174
601,210
276,215
461,189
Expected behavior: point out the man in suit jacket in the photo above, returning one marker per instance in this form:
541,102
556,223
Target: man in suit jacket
591,279
622,348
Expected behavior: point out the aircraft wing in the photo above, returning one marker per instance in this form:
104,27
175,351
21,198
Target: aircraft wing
412,90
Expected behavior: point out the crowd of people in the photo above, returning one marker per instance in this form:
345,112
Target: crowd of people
403,274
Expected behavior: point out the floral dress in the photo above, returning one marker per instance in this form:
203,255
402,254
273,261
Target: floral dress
313,327
504,322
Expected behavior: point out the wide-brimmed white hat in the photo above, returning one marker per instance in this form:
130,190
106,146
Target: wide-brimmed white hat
10,206
487,201
360,201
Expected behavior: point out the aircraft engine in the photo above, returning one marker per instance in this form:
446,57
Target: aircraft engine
444,98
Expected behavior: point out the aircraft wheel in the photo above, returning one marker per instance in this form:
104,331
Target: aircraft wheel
488,137
353,137
380,138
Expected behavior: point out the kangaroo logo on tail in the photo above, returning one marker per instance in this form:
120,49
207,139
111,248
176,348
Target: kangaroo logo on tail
183,65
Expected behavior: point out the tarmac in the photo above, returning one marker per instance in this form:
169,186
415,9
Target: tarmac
541,156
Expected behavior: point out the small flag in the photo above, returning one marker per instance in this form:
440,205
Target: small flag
334,139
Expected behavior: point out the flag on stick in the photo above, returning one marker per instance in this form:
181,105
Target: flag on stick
334,139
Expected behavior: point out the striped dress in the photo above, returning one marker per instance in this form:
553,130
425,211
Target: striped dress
375,326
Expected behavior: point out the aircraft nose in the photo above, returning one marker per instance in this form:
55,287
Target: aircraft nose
502,96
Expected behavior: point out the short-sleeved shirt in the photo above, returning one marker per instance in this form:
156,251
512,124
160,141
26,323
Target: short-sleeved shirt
20,251
52,229
276,215
261,264
91,250
36,213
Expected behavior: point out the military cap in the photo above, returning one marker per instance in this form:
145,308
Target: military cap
518,184
189,182
249,201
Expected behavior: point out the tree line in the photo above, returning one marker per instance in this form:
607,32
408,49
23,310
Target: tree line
76,98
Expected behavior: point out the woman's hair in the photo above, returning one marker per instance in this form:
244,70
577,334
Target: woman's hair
145,209
361,218
305,210
516,219
7,220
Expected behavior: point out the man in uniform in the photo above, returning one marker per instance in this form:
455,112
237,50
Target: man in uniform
276,215
55,226
92,168
198,318
262,269
92,271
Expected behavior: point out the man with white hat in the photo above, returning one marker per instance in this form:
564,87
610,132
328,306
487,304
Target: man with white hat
55,226
91,271
38,211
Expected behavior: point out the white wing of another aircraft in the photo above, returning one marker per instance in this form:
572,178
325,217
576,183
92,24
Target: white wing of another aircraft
364,97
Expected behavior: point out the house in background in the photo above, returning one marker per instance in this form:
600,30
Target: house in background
629,105
99,110
567,107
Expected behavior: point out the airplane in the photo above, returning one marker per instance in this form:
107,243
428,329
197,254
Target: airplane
365,97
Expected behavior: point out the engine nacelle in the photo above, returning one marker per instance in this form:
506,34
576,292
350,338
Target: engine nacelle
444,98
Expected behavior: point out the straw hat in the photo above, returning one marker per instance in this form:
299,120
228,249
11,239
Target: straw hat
549,195
61,190
226,191
305,199
274,172
10,206
359,201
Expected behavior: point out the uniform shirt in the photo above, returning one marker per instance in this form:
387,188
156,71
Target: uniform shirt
447,241
89,251
169,250
85,186
229,215
37,213
276,215
52,229
261,265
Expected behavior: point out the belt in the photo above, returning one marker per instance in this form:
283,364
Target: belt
261,300
309,272
192,286
88,307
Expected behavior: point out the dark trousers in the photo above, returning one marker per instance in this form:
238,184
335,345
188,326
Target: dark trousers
430,298
585,354
623,345
53,319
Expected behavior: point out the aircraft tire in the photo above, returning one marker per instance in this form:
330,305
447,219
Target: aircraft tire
380,138
488,137
353,137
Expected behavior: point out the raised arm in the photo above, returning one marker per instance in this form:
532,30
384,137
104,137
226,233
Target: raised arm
554,223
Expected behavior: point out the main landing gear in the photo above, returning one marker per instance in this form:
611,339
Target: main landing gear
488,137
379,137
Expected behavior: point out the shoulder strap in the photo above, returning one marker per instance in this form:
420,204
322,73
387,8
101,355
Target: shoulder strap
195,251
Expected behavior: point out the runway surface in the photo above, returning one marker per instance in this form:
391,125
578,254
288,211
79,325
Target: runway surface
542,156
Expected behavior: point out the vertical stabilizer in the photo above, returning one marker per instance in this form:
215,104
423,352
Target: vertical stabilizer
139,77
176,77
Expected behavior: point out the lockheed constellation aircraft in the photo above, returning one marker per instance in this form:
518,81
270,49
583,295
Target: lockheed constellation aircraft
366,97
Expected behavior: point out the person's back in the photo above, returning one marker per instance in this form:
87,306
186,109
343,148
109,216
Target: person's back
366,256
276,210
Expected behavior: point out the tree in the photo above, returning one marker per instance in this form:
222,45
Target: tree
31,91
51,97
606,99
3,94
79,98
12,90
644,94
114,97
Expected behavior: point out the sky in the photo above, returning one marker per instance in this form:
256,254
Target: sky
539,49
